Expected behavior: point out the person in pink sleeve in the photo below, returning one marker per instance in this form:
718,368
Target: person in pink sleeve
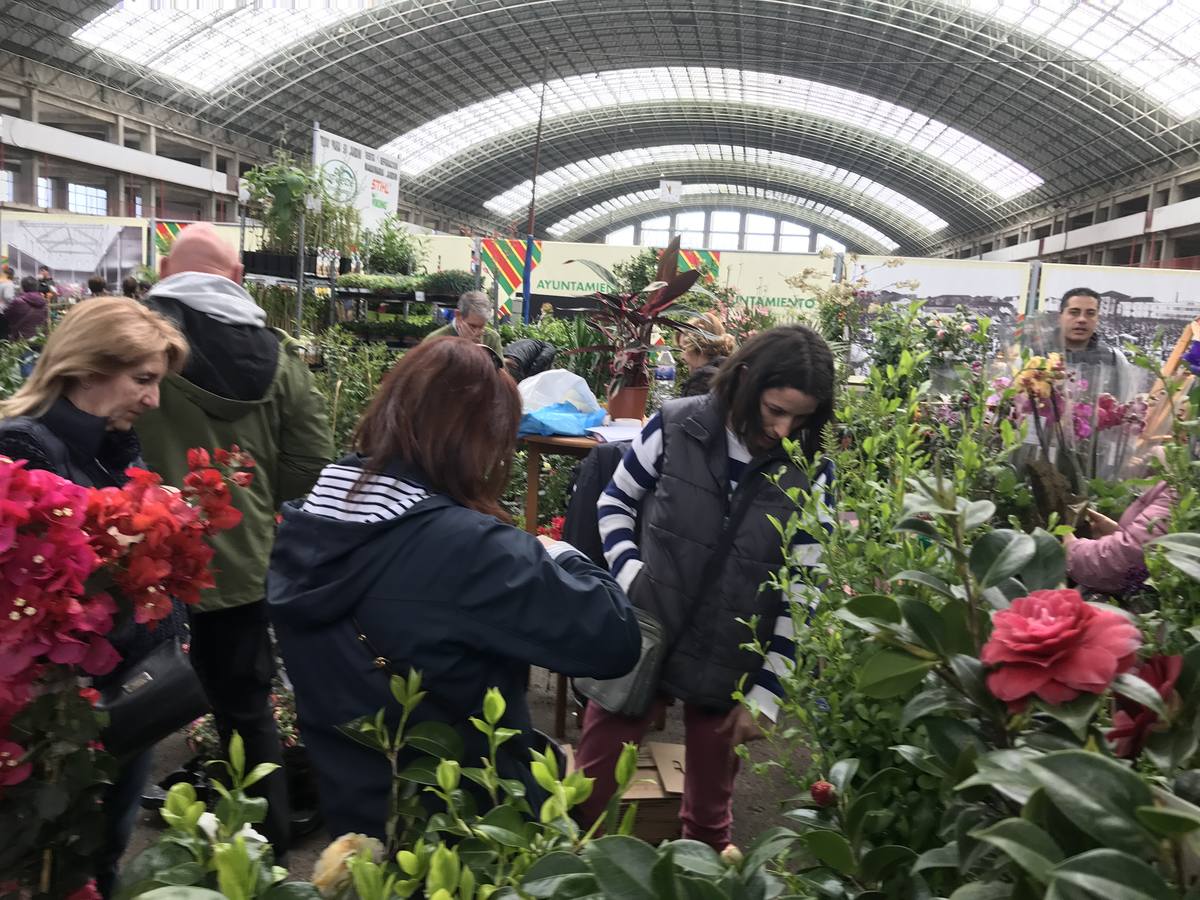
1112,562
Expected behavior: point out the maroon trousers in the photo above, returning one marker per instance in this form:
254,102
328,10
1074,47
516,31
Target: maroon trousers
710,767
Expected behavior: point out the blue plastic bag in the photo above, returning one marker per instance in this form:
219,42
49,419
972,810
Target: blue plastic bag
561,418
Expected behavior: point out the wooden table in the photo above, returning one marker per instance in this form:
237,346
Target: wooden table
537,446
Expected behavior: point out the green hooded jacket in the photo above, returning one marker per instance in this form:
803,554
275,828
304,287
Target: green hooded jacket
285,431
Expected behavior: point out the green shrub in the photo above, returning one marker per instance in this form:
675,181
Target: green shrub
448,283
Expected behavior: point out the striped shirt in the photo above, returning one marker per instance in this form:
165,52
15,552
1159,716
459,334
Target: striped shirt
377,499
617,509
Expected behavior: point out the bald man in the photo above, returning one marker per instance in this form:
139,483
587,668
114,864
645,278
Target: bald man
244,384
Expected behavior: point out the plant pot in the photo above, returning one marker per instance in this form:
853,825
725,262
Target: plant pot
628,403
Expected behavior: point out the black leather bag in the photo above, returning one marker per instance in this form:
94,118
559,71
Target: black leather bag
155,698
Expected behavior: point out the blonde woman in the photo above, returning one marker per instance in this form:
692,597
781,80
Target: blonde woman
703,352
99,371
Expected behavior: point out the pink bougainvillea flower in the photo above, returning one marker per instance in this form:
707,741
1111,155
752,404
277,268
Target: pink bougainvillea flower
1055,646
12,768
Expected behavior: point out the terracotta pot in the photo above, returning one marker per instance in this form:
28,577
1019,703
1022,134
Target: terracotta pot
628,402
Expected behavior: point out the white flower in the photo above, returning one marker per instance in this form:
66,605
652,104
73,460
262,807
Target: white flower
209,824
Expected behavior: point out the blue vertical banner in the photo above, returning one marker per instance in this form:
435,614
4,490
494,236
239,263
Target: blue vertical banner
527,306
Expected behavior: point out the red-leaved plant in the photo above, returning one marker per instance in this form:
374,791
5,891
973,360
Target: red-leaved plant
72,561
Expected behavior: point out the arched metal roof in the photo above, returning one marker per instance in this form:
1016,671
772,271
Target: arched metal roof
1075,92
639,204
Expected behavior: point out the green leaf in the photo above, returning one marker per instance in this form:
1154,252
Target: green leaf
258,773
622,866
925,623
435,738
832,849
874,606
969,672
237,755
923,527
1140,691
1076,714
1000,554
701,859
1026,844
930,702
890,673
930,581
938,858
1098,795
1182,551
1167,822
842,773
877,864
978,513
421,771
292,890
545,875
920,758
604,274
983,890
1112,874
1047,569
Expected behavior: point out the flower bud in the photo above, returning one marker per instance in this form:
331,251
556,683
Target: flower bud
823,794
448,772
732,856
493,706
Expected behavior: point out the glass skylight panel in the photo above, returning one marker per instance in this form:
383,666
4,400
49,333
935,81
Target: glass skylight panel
440,139
1150,45
206,45
614,206
569,177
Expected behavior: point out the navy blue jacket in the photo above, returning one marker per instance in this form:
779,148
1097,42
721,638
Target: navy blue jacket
468,601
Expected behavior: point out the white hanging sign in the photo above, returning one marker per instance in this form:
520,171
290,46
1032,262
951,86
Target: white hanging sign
354,173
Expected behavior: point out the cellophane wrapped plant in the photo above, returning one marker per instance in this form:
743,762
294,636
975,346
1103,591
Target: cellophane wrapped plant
74,560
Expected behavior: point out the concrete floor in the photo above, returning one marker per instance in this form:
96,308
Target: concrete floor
758,800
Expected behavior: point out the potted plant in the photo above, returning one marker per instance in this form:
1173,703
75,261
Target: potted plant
448,283
627,319
392,250
278,191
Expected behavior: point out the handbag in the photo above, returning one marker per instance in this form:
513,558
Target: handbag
155,698
632,693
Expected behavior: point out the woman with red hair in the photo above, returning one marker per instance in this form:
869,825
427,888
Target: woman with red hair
402,557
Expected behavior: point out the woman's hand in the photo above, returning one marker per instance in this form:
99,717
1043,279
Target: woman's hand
741,726
1101,524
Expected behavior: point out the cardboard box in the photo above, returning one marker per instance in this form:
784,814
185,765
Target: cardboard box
657,789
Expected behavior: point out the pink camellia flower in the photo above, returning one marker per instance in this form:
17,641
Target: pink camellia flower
1054,645
12,770
1132,722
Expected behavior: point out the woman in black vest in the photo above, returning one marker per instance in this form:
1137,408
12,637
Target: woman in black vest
685,530
74,416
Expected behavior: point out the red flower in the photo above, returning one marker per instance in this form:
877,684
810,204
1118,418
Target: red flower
1132,722
243,479
91,695
88,892
823,794
198,458
12,768
1054,645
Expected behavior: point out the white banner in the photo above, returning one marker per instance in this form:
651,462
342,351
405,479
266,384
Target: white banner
356,174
